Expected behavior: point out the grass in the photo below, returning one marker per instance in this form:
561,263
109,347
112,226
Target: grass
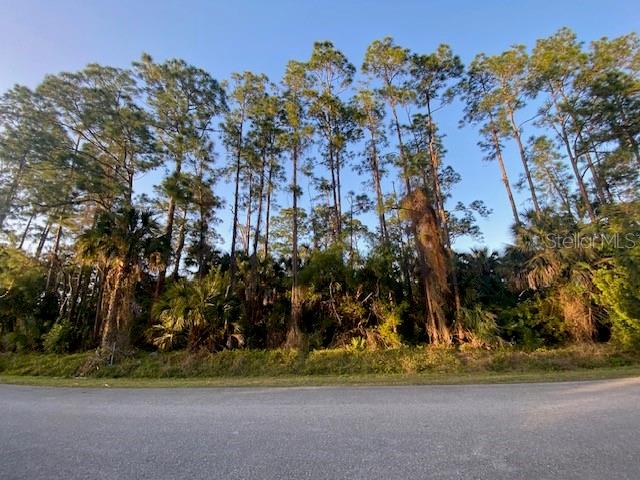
404,366
327,380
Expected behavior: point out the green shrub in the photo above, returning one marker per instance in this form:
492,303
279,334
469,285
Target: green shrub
618,293
59,339
15,342
389,317
357,343
532,323
481,328
21,294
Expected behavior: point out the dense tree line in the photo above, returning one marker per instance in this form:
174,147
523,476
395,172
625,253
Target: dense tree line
89,261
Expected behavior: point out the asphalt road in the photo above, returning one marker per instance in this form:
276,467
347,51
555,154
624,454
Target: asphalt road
581,430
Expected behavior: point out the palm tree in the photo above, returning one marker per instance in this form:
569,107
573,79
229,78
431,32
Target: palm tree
554,254
121,245
201,309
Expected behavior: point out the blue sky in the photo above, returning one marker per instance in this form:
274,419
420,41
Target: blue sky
40,37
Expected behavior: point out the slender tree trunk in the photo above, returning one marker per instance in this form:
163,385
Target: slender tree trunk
247,235
202,242
375,168
525,163
267,218
576,172
98,317
334,191
404,260
573,159
351,233
56,245
53,262
252,304
256,237
236,201
26,230
43,238
339,192
294,335
66,285
171,212
79,314
180,245
505,178
594,173
203,227
597,181
75,295
403,161
129,194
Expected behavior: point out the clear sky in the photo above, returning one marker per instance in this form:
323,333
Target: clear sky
49,36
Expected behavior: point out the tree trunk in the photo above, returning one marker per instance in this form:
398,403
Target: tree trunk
43,238
334,191
405,169
440,210
505,178
53,262
377,181
525,163
597,181
576,172
180,245
351,234
168,231
339,193
75,295
202,235
423,267
202,239
433,262
294,334
564,135
256,237
98,317
268,212
404,260
85,295
109,339
26,230
236,201
247,234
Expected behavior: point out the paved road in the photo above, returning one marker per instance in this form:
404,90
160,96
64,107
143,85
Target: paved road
581,430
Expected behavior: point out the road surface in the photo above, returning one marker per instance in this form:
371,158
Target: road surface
581,430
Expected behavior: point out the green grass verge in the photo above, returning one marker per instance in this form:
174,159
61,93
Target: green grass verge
412,366
326,380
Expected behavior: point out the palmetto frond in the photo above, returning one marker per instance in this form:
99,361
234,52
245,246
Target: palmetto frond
187,305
